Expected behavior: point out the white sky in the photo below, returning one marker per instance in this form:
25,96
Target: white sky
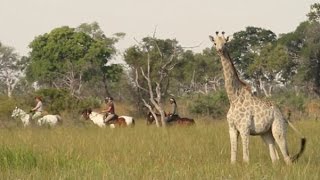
189,21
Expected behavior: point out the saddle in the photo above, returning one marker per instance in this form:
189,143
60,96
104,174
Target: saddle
115,118
174,117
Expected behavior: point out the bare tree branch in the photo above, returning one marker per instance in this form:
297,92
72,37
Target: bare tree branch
137,83
191,47
152,112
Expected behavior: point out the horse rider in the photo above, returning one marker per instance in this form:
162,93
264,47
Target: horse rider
37,110
110,110
174,115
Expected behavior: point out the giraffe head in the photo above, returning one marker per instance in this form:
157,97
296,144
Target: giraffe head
219,42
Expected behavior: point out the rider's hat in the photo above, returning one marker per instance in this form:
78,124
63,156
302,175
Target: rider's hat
38,97
108,98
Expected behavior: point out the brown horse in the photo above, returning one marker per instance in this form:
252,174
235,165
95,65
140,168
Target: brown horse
98,119
175,121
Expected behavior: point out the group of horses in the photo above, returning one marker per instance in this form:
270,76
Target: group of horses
96,118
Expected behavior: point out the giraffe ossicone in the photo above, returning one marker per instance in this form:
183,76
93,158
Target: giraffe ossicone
250,115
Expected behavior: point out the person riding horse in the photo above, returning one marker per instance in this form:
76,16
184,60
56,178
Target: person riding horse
174,115
110,110
37,110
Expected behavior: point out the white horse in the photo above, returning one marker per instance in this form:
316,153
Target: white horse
97,119
25,118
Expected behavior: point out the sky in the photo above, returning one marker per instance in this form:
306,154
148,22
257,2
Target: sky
188,21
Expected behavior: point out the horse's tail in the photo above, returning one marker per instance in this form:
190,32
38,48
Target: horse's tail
128,120
59,118
133,122
189,121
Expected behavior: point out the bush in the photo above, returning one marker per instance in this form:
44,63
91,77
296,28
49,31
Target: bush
56,100
290,100
6,106
214,105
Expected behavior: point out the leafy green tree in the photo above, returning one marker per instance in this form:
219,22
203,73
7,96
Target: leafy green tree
272,66
314,14
107,74
304,51
68,58
200,72
246,44
245,47
310,58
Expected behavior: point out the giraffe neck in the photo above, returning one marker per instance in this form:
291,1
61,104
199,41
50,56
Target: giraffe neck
233,84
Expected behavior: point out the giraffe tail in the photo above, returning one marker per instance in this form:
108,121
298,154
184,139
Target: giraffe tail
303,143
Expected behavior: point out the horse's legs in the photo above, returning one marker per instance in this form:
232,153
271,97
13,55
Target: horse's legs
121,122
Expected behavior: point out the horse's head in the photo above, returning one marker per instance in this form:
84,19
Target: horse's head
149,118
86,112
16,112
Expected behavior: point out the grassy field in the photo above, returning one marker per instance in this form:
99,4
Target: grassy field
199,152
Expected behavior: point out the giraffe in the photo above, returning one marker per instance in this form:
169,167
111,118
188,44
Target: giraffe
250,115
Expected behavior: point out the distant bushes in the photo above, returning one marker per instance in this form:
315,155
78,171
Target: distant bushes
6,107
214,105
291,100
56,100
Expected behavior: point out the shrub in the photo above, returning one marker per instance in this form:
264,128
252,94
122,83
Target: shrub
214,105
6,107
291,100
57,100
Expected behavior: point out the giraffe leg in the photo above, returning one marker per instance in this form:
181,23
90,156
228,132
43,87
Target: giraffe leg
245,145
233,142
279,134
270,142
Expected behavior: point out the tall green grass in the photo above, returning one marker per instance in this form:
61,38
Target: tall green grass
142,152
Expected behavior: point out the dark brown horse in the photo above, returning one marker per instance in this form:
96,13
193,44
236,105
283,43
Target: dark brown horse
177,120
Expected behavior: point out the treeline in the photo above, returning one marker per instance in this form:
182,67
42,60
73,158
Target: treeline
71,69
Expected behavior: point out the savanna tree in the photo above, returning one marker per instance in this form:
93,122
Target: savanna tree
67,58
12,69
314,14
245,47
303,46
198,72
152,60
272,66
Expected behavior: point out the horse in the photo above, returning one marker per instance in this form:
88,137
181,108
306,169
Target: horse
49,119
98,119
176,121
